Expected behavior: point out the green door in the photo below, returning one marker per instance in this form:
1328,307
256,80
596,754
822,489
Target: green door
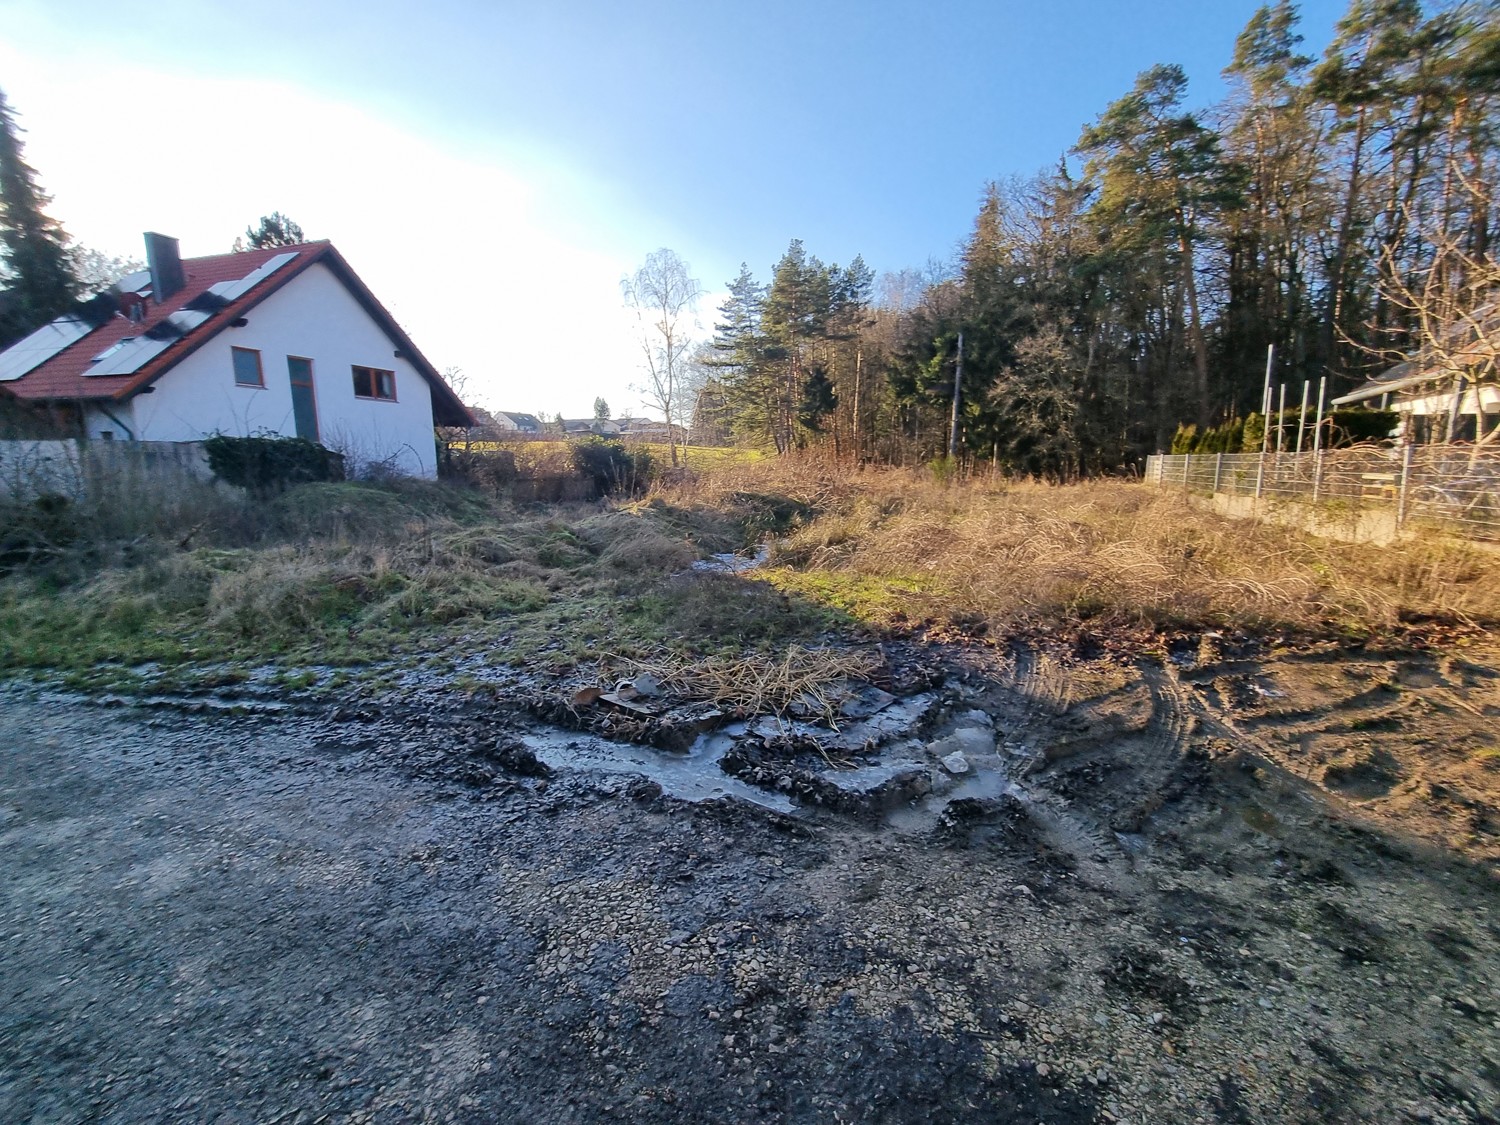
304,406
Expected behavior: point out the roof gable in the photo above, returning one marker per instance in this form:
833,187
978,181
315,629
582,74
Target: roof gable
124,353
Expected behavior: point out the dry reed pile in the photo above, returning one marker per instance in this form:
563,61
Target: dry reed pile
815,679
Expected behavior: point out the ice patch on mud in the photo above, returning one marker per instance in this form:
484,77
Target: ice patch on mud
732,562
898,719
694,776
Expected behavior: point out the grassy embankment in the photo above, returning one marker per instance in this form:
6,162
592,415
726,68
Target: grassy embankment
349,574
893,548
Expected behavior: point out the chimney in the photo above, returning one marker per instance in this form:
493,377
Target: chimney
165,265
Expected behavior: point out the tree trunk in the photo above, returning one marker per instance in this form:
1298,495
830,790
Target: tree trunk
1333,318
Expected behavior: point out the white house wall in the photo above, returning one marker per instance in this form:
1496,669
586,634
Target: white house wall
313,317
113,421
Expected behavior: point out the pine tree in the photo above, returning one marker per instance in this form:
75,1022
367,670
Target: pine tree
1160,179
36,263
740,359
1272,239
275,229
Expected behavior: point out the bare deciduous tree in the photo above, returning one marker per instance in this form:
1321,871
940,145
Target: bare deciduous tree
662,295
1452,306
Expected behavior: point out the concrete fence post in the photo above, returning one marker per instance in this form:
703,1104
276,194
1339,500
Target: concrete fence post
1405,486
1187,468
1218,471
1317,474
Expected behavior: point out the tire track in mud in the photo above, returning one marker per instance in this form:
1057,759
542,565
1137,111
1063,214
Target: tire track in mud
1097,767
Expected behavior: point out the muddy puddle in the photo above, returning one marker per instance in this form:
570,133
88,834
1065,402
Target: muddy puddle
693,776
902,762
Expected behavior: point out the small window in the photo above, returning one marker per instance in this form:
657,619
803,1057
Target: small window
372,382
247,372
106,435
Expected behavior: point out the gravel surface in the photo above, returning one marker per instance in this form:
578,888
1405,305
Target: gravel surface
385,915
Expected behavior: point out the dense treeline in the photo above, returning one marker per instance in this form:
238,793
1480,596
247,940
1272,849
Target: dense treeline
1326,207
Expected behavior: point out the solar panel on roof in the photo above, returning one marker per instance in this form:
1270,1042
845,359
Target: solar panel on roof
230,290
32,351
129,355
185,320
134,282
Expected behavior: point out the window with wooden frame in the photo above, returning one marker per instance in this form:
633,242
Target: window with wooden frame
247,370
372,382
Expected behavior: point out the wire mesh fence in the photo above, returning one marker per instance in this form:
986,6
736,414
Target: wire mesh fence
1448,487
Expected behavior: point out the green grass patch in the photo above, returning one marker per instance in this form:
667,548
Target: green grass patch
878,601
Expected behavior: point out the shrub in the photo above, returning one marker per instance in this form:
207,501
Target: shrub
38,529
612,468
1254,433
268,465
493,470
1350,427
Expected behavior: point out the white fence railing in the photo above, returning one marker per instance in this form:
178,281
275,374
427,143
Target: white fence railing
1454,488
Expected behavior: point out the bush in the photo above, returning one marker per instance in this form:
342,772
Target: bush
1226,438
36,530
493,470
611,468
1350,427
1254,432
1342,428
268,465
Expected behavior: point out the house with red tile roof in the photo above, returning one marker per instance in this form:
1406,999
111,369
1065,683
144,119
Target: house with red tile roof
284,341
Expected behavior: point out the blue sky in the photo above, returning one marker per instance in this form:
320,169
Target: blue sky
494,169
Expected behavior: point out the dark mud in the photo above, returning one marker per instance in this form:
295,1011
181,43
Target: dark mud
401,911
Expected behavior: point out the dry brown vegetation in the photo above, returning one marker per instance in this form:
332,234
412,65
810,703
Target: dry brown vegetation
758,683
893,546
336,573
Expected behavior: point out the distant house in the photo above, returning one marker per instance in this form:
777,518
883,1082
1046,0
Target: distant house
285,341
646,429
512,422
1448,393
601,426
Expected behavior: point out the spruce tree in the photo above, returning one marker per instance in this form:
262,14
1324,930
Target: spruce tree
36,265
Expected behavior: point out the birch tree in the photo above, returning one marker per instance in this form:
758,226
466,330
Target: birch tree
662,296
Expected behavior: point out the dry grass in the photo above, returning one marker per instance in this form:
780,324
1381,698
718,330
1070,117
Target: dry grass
897,545
813,678
337,573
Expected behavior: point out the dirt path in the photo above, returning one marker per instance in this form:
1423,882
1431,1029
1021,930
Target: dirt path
256,918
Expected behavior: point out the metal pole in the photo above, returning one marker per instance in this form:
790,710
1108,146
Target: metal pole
1265,395
1318,440
1280,413
958,378
1318,425
1302,417
1187,465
